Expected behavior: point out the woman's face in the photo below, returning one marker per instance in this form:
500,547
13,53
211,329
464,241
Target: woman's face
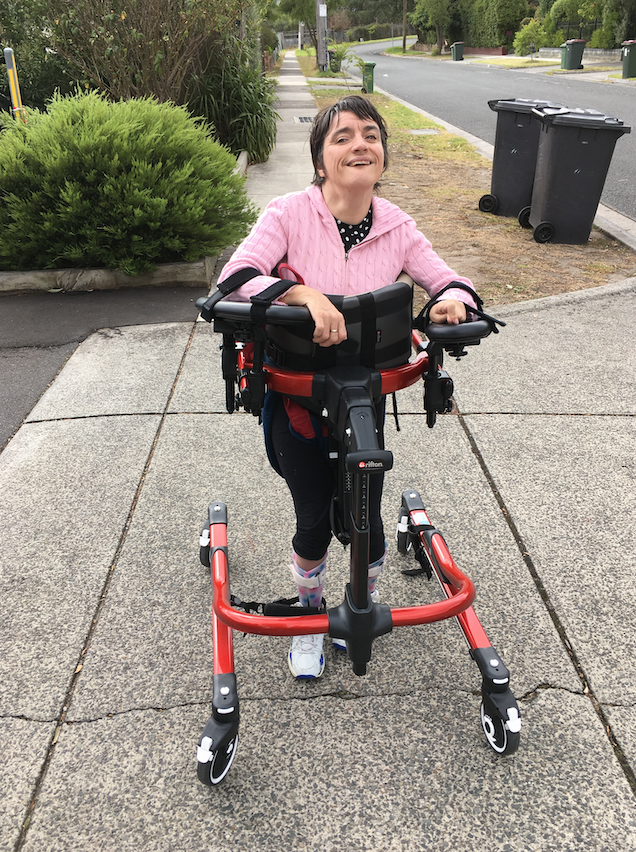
352,155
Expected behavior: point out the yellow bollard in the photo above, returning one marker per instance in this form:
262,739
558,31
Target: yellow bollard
14,86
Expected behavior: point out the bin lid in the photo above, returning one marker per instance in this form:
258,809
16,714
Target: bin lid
520,104
575,41
578,117
629,41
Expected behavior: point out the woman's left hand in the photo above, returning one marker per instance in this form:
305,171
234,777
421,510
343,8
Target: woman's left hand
451,311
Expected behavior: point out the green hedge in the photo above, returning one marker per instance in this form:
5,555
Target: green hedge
121,185
491,23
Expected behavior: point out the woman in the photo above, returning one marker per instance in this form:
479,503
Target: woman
338,238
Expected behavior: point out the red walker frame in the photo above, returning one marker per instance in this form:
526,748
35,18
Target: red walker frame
499,710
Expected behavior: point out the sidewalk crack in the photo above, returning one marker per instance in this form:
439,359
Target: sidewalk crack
61,721
547,602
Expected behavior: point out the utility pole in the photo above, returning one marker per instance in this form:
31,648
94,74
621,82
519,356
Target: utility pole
322,59
404,2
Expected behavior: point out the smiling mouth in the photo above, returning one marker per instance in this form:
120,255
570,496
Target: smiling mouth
360,163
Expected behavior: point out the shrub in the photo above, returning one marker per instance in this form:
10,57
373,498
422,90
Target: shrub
338,53
238,101
127,184
530,38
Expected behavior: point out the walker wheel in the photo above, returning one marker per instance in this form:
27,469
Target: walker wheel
524,217
500,739
213,771
488,203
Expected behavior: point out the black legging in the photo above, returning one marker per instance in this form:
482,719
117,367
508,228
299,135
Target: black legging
306,471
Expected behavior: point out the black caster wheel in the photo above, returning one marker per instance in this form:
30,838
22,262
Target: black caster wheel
488,204
402,533
524,217
214,770
500,739
544,232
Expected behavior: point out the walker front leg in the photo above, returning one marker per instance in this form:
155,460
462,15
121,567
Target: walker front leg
499,711
219,740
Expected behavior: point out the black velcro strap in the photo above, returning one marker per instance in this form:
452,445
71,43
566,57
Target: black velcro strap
238,279
229,285
367,329
282,607
288,608
261,301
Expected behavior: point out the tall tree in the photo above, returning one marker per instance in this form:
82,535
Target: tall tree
302,10
434,15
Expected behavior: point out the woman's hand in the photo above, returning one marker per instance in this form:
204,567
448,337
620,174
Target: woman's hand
330,323
451,311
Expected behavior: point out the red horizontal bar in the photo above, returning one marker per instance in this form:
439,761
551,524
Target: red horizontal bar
460,599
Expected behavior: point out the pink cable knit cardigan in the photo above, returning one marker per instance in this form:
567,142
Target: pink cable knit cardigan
300,229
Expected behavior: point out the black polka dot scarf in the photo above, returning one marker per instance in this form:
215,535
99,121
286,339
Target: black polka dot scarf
351,235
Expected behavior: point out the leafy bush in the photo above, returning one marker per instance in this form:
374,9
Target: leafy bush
338,53
237,100
487,23
40,72
269,38
530,38
128,184
369,32
602,39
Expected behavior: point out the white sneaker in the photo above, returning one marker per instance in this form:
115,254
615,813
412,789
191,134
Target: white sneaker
305,658
340,644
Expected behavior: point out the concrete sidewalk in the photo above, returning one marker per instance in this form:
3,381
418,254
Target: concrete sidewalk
106,652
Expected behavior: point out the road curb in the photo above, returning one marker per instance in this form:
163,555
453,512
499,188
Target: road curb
617,288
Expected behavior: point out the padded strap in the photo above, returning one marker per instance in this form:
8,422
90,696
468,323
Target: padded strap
233,282
368,329
261,301
229,285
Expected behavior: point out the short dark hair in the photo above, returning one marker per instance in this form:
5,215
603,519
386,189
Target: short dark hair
359,106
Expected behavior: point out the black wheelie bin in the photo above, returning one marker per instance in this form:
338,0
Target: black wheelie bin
574,155
516,143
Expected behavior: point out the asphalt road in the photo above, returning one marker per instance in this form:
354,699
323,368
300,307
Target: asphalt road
458,92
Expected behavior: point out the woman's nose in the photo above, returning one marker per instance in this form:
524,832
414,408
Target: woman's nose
359,141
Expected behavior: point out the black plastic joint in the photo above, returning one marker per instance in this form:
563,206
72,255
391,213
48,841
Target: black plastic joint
225,703
217,513
496,677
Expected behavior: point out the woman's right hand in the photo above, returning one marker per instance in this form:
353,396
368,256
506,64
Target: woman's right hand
330,323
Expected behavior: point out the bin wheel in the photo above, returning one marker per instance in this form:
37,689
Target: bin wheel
363,90
488,204
524,217
544,232
215,770
500,739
